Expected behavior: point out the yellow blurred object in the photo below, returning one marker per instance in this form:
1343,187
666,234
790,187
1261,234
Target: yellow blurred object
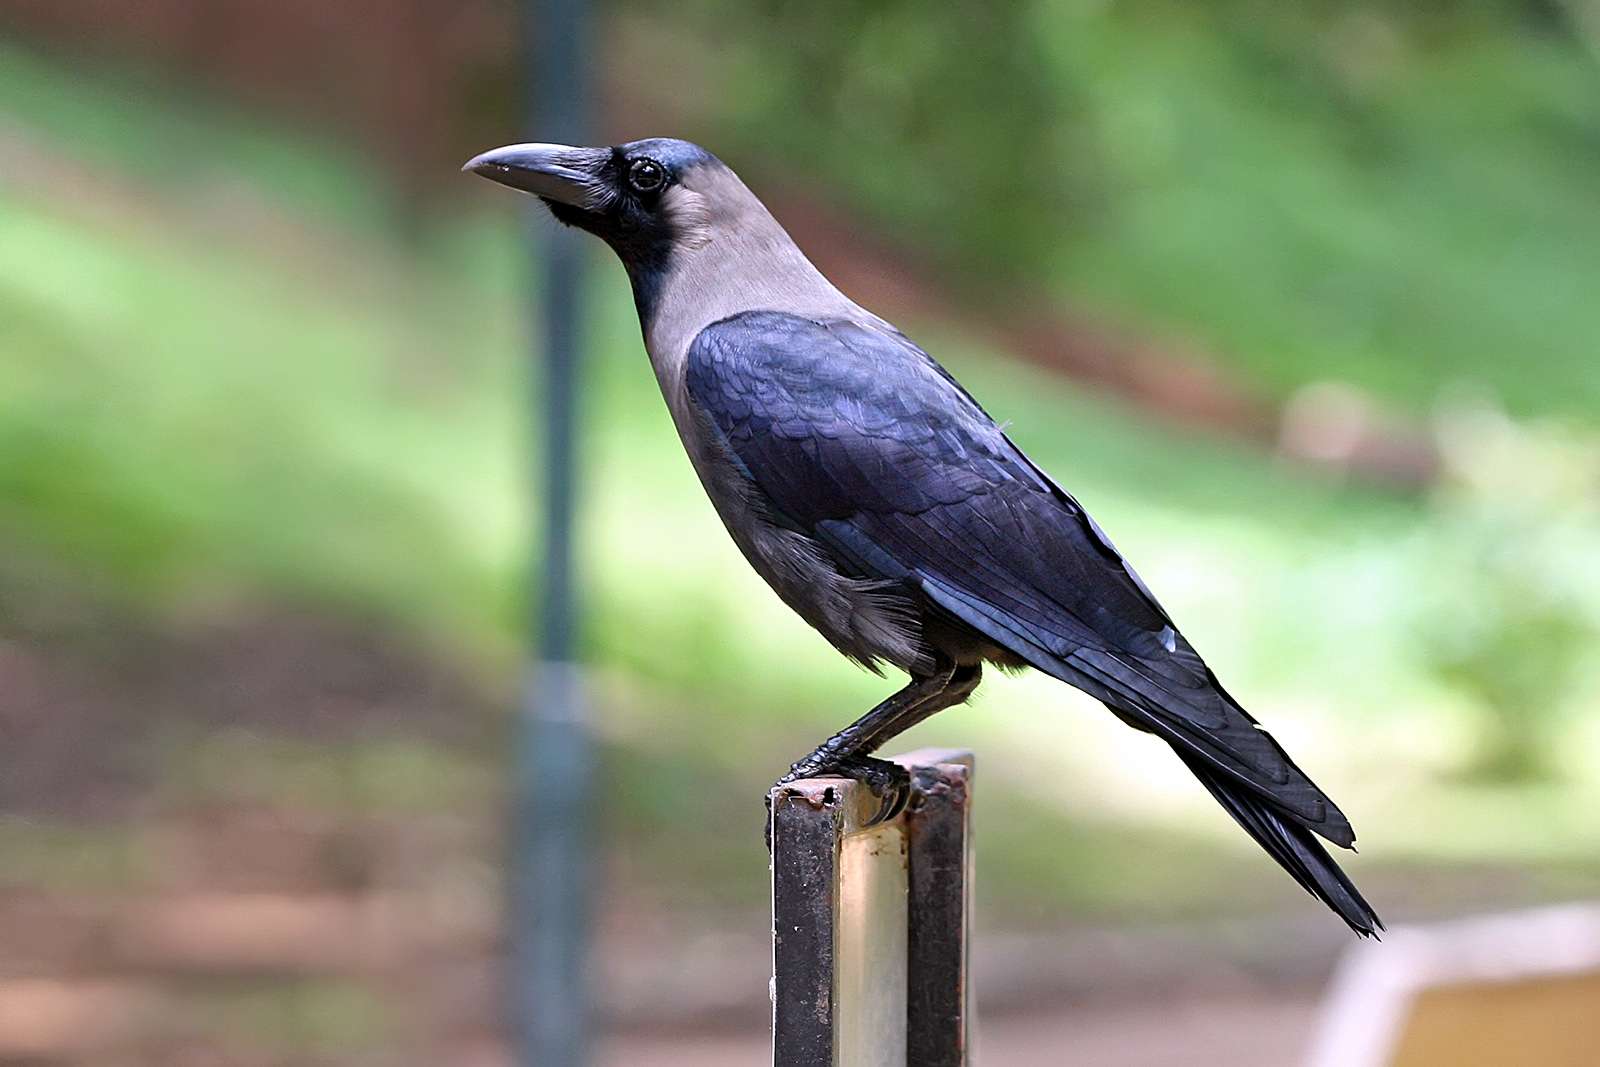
1552,1022
1501,991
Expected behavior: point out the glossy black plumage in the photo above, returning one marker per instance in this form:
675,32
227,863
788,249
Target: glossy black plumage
853,436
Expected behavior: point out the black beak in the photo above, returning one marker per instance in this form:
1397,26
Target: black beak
555,172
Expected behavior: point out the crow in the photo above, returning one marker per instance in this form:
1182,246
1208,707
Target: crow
883,504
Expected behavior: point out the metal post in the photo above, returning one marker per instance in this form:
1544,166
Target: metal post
554,752
938,828
870,924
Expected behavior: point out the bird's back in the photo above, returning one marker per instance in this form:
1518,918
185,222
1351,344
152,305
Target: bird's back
856,440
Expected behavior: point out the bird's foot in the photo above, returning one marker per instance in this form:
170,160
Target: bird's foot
888,781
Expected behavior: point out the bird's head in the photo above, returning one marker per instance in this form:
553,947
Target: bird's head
645,199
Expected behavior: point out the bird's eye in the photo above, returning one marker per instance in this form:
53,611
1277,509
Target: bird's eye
646,175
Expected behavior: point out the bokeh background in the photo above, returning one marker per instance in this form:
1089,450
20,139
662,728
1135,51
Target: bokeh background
1299,298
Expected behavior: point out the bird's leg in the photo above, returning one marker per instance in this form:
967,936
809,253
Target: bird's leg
865,734
957,688
847,753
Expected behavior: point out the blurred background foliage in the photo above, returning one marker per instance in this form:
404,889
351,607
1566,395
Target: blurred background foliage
1296,298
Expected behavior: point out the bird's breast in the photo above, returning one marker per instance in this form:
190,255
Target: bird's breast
861,618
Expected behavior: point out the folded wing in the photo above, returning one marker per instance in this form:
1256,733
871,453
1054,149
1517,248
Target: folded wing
859,438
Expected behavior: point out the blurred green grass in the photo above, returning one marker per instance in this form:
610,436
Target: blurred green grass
1396,196
255,396
1338,197
134,122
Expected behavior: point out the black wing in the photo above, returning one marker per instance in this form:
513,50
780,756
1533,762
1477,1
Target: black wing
859,438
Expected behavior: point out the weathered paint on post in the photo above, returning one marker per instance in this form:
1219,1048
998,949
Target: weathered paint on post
806,829
871,923
870,929
938,830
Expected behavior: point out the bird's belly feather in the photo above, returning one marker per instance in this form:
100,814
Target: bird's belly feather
871,621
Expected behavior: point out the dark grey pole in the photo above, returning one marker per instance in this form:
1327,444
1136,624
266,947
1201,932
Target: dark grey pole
554,756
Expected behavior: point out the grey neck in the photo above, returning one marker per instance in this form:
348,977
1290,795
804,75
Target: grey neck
741,260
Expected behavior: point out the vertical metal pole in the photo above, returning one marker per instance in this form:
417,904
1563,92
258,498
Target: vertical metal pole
554,753
871,923
938,824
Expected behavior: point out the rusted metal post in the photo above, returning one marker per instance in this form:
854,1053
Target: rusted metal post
938,823
871,924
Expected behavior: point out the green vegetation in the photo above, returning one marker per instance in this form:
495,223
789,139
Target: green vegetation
67,857
134,124
1398,196
301,1018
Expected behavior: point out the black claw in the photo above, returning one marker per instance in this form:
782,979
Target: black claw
889,782
894,802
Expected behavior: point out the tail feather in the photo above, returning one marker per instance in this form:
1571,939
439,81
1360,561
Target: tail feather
1292,845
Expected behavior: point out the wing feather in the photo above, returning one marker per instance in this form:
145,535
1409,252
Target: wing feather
859,438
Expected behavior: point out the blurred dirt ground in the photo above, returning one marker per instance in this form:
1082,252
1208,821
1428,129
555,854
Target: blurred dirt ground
267,839
272,937
271,840
1254,1033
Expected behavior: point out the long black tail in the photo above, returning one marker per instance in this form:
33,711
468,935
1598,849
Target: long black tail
1292,845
